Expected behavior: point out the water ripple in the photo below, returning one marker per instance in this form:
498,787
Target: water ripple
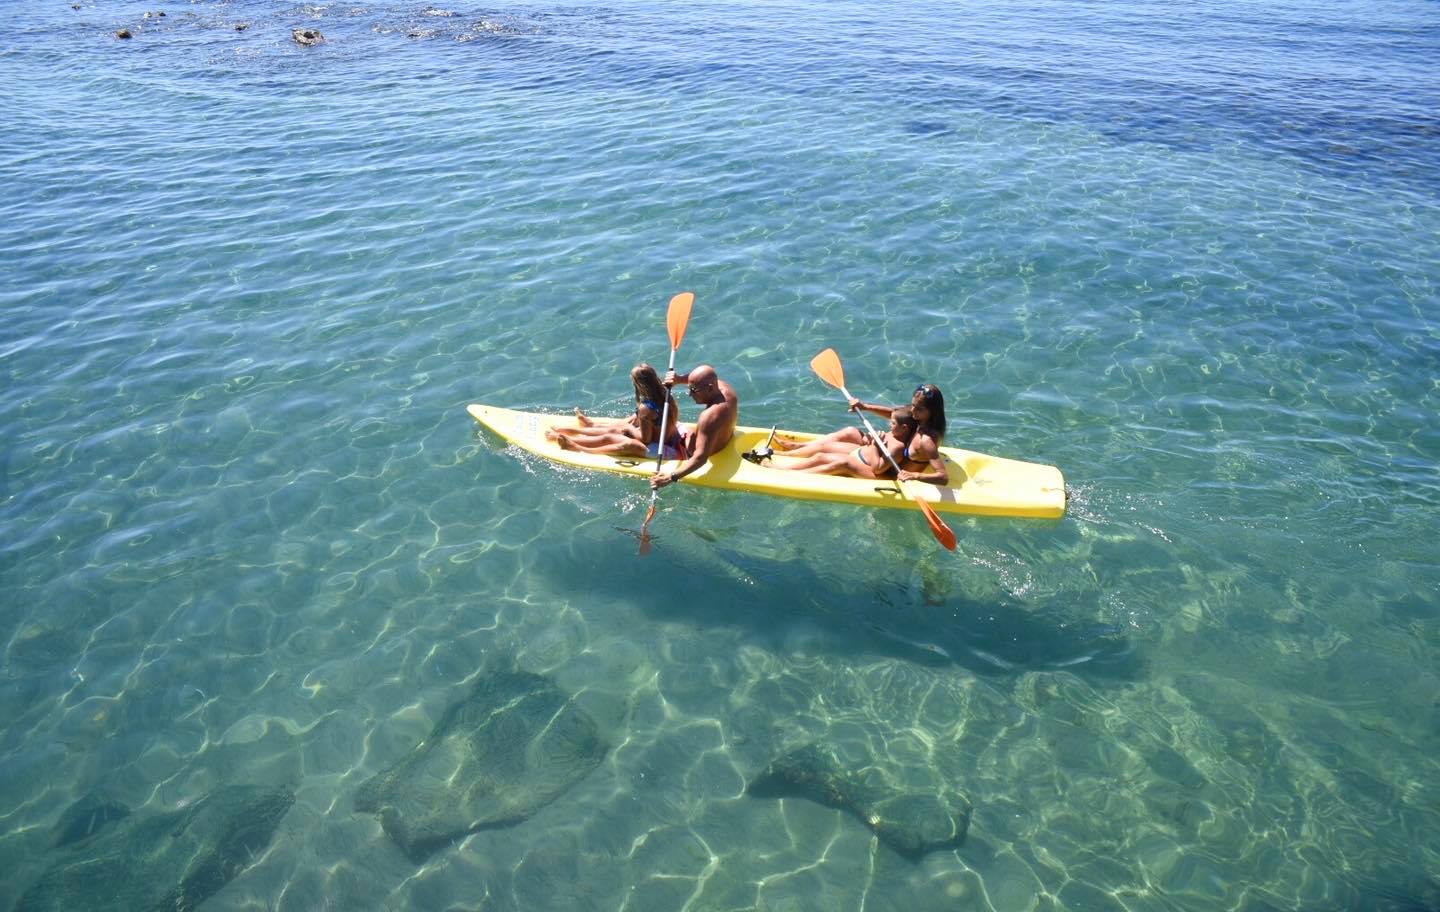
1185,253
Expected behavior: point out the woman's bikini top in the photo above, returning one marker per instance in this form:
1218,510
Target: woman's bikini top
938,440
675,438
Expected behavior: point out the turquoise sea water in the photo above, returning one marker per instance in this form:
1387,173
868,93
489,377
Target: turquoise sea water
1189,253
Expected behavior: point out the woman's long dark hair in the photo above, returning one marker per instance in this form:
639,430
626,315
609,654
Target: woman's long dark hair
935,402
648,387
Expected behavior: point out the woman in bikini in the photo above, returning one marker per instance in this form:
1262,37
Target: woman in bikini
637,435
922,462
867,460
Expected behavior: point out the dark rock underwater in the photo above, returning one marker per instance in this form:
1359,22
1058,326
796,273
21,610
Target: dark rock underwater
112,859
495,758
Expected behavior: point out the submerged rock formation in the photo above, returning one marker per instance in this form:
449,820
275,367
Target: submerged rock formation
910,821
120,862
87,817
494,759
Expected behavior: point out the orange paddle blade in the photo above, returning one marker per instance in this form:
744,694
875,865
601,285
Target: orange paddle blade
679,317
943,533
827,365
645,529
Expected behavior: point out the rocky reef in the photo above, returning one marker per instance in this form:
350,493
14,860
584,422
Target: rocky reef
909,814
112,860
514,745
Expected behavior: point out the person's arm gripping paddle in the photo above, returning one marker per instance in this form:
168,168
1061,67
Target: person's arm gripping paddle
856,406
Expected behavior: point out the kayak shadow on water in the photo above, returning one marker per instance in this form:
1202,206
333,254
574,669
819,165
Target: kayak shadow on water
830,606
1008,639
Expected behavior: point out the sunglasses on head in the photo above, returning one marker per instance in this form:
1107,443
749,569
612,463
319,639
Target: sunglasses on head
926,392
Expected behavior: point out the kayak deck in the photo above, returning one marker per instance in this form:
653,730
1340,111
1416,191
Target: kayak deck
979,484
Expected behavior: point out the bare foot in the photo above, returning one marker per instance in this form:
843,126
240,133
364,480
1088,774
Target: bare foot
565,443
785,444
582,418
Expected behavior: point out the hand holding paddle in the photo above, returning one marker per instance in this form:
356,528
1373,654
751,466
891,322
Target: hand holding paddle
676,320
827,365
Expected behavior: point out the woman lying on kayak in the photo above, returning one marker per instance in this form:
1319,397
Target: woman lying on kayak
922,462
866,460
633,436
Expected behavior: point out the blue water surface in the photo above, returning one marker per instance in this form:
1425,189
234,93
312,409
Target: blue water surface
1186,252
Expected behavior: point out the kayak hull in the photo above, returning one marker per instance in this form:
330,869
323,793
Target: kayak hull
980,485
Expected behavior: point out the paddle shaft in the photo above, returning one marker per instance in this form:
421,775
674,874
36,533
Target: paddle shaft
664,423
875,437
676,319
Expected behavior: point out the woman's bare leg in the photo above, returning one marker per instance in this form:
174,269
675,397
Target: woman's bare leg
610,445
840,441
817,464
846,463
588,433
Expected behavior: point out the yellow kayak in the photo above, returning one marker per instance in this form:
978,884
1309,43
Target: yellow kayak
979,484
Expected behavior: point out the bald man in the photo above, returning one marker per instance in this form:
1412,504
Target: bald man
719,410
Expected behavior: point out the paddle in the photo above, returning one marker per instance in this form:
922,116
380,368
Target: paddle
827,365
675,321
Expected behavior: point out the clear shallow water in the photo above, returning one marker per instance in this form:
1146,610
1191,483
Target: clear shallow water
1188,254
